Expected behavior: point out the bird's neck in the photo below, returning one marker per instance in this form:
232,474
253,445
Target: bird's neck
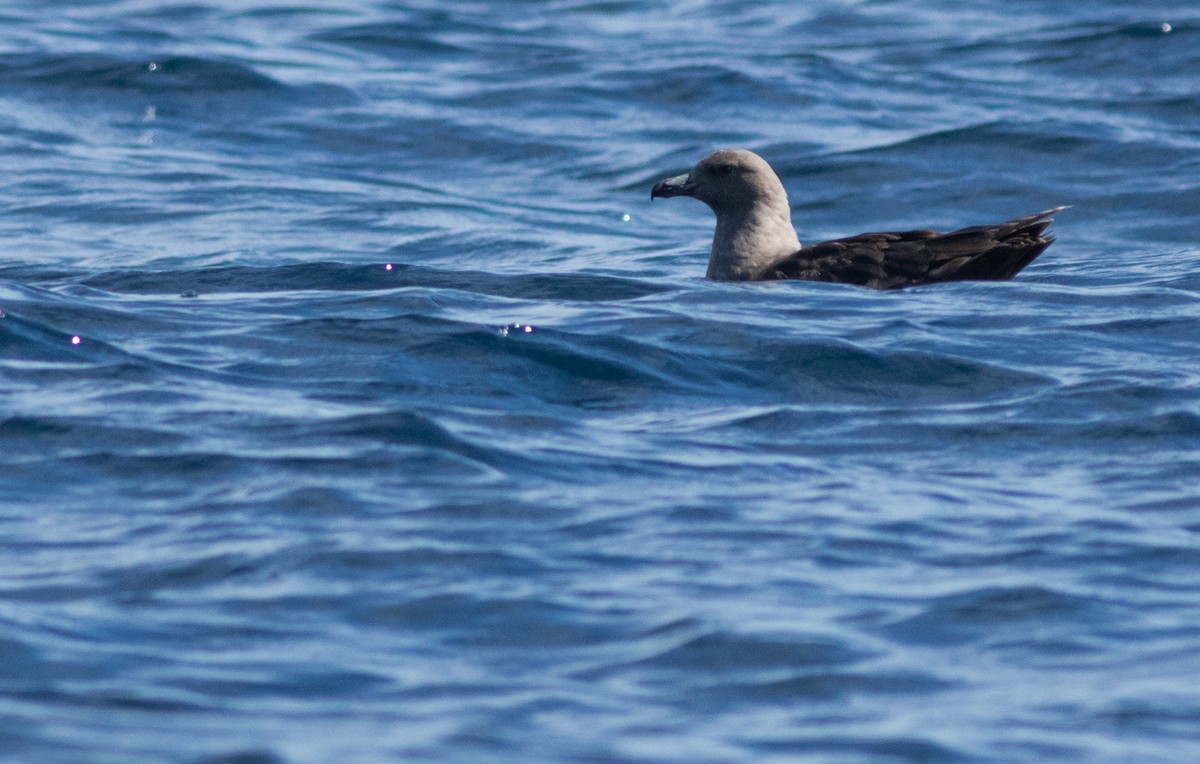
747,242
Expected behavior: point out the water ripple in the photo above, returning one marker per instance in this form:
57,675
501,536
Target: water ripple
355,403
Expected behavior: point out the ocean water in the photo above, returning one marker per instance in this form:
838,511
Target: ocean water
356,404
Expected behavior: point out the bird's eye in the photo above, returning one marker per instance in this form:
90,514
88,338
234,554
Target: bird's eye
725,169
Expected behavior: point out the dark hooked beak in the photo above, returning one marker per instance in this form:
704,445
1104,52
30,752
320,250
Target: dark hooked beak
680,185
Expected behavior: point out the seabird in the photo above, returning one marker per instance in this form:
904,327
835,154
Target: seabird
755,240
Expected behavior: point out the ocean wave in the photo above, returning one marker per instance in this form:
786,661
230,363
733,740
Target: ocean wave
399,424
168,75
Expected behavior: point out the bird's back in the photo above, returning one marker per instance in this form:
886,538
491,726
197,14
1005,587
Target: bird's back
907,258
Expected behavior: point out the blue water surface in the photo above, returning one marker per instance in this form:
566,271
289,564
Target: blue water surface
356,405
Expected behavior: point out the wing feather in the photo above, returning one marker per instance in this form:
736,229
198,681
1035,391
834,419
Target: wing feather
906,258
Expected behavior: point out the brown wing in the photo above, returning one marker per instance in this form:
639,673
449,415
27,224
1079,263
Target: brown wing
908,258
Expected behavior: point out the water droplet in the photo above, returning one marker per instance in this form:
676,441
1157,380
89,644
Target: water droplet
523,328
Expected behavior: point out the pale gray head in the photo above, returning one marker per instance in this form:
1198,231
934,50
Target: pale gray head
727,179
754,221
